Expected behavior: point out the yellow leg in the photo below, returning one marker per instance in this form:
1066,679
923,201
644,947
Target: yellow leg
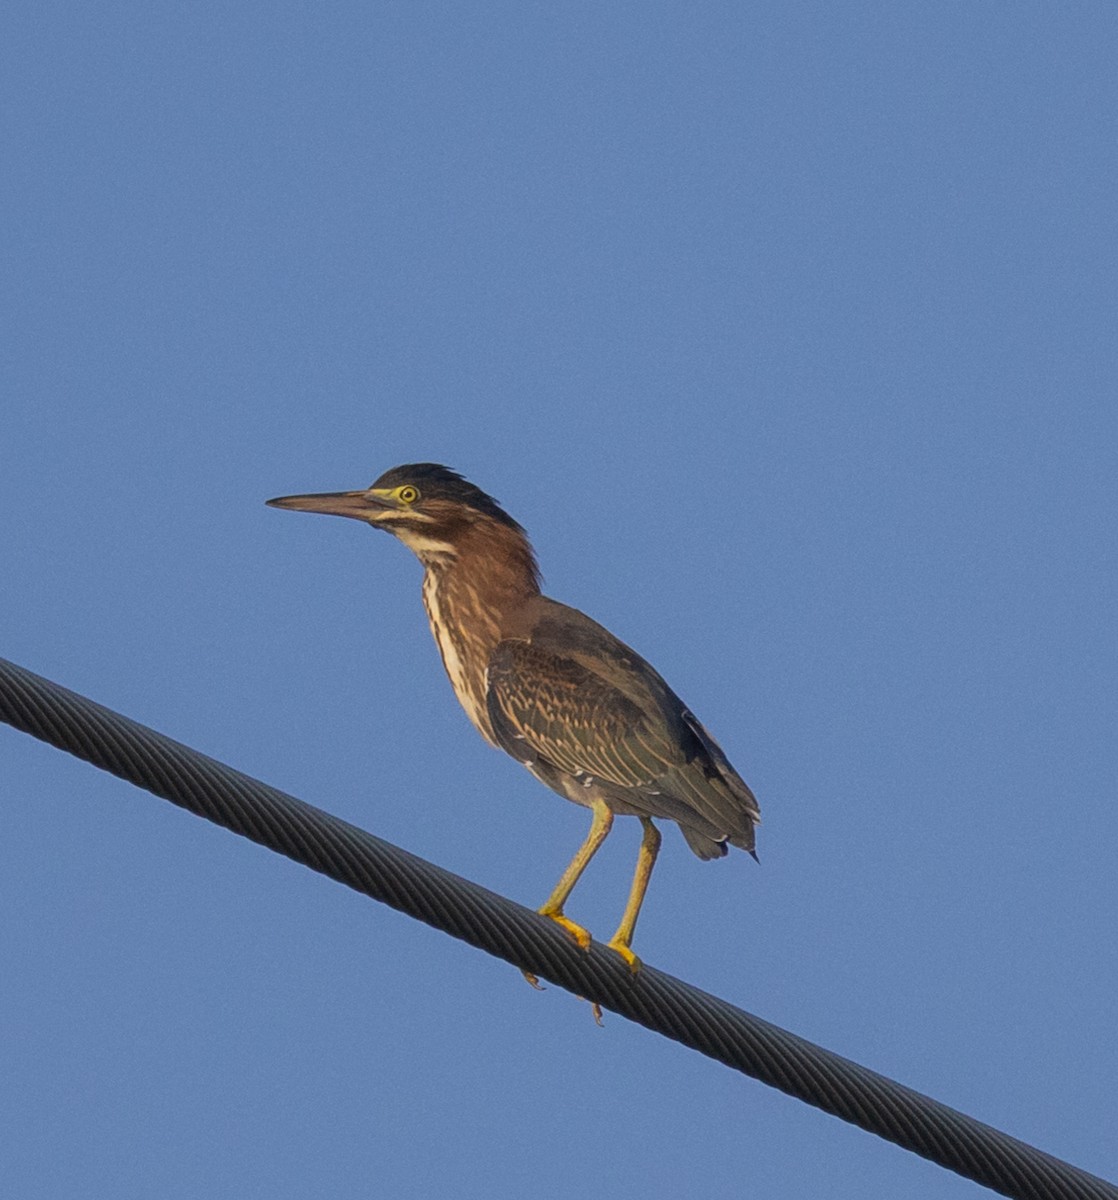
553,906
646,860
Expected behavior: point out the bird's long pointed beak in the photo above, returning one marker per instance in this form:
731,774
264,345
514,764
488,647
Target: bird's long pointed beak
363,505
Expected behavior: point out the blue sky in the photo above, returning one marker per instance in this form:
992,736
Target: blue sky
788,331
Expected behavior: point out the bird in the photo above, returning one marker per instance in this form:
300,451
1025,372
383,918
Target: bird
587,716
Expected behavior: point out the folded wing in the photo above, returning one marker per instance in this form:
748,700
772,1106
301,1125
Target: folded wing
571,698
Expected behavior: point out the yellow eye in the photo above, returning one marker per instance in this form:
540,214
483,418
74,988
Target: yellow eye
407,495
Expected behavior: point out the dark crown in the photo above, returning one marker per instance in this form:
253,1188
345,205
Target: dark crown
436,482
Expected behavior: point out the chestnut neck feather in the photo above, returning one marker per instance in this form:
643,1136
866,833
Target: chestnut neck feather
469,594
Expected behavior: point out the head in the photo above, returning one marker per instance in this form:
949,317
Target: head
430,508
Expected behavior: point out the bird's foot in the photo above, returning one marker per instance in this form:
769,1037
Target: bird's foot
631,960
595,1008
581,936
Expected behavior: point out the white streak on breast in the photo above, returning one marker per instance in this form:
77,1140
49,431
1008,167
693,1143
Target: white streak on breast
468,686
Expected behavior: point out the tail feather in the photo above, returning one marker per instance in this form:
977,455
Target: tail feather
711,797
705,847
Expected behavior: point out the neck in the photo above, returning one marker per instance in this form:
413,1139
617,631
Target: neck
469,593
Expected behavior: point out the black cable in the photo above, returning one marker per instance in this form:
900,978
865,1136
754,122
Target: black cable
516,934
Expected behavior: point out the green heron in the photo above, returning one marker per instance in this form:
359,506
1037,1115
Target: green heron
543,682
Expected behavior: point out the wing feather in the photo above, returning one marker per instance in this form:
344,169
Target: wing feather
567,696
573,718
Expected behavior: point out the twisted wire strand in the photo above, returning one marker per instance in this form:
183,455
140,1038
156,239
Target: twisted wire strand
519,936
